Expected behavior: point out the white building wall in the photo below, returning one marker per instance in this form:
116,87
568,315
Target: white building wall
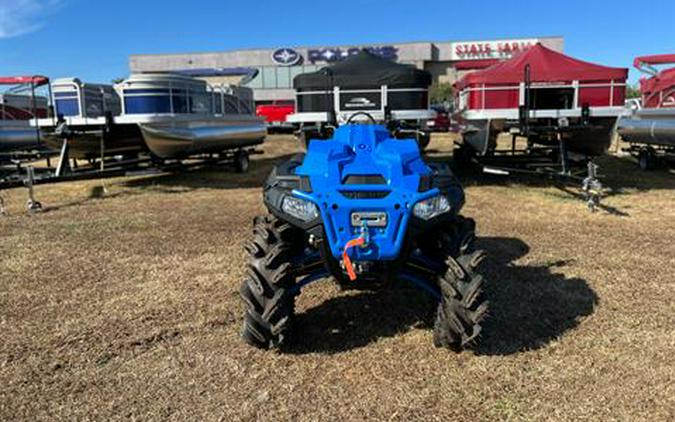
437,57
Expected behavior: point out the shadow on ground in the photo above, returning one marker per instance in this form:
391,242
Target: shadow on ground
619,174
529,307
623,173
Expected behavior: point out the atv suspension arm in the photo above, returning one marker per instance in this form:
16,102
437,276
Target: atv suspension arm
422,284
315,276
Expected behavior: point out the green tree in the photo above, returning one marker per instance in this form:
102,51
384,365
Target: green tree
633,91
441,92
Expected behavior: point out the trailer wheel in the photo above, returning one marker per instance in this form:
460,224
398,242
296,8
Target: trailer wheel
241,162
266,292
647,159
462,307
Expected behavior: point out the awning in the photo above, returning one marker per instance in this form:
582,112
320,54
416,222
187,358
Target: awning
546,65
219,71
475,64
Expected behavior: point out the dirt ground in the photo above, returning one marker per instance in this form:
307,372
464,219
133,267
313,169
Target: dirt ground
125,305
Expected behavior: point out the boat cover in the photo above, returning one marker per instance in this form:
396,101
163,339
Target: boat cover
546,65
364,70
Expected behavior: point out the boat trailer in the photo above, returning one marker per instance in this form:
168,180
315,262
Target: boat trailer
30,176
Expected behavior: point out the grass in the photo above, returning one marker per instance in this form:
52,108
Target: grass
126,306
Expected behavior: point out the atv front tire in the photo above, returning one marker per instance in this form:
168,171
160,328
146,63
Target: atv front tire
270,302
462,307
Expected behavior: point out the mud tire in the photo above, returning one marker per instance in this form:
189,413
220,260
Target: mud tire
462,307
267,290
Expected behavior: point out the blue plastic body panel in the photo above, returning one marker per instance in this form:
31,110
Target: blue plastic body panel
364,150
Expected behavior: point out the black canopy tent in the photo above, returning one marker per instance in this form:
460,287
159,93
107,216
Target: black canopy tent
364,70
360,79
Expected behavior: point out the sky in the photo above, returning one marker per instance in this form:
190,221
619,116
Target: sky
92,39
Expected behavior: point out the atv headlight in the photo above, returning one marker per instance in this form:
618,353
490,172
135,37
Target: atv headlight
432,207
300,208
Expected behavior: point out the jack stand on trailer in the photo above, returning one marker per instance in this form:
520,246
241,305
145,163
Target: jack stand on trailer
31,205
3,211
64,160
592,187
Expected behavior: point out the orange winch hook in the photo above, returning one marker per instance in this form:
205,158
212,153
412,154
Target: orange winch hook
359,241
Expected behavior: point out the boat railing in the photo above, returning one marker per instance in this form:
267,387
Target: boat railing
665,98
10,110
178,97
467,101
226,100
162,96
87,103
67,99
32,112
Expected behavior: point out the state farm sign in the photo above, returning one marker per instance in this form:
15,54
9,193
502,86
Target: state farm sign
489,49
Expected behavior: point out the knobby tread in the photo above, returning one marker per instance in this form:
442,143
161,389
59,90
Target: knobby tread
266,291
462,307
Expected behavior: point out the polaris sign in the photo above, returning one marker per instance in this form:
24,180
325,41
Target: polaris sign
286,57
338,54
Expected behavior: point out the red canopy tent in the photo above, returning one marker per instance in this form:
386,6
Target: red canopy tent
546,67
475,64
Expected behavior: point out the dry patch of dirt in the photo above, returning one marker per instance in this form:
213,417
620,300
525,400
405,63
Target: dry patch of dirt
126,306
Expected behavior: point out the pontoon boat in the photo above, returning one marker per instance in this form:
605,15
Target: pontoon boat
650,129
18,105
170,115
363,83
545,96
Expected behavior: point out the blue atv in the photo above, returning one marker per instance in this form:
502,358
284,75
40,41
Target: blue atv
362,207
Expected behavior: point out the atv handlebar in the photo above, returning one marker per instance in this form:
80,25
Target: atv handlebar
362,113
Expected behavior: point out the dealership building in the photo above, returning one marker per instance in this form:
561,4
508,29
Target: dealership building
270,72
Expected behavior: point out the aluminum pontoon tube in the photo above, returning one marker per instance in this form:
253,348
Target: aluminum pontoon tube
650,131
17,138
170,141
